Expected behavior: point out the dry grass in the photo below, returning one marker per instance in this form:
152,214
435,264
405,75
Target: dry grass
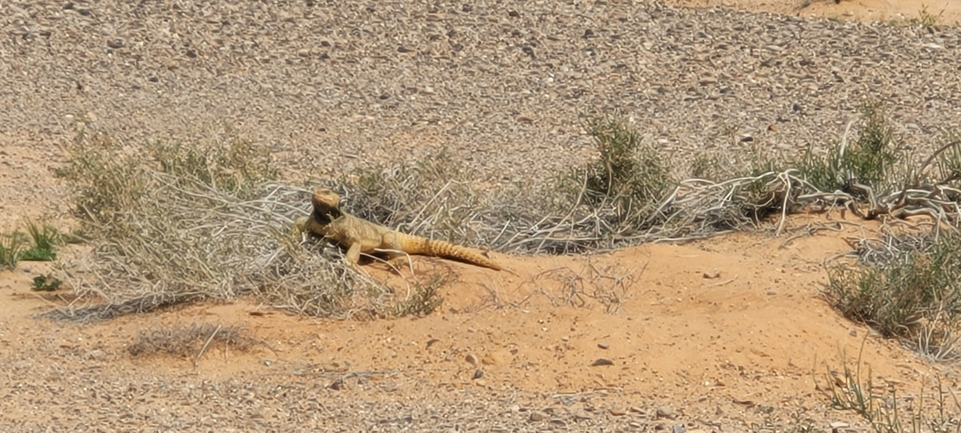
190,341
173,223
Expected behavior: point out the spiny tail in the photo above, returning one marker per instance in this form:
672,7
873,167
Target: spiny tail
432,247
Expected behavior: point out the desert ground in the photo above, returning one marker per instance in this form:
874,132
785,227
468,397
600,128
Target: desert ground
727,334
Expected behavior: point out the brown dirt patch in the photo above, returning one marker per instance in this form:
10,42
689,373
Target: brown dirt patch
888,11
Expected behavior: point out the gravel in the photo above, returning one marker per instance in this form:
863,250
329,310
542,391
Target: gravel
503,86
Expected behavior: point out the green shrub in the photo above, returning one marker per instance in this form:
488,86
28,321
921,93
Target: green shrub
868,161
915,296
45,283
43,239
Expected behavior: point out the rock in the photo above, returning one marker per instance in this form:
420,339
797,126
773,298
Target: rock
582,415
664,412
618,412
95,354
838,426
538,416
678,428
471,359
601,361
478,374
604,346
497,358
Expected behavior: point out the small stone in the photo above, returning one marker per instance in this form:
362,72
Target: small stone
478,374
557,421
582,415
497,357
678,428
746,138
602,361
664,412
337,385
618,412
472,359
838,425
537,416
115,43
95,354
604,346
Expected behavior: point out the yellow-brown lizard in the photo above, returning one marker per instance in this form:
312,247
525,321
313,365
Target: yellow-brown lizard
360,236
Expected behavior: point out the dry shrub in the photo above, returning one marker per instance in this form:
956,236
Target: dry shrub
188,341
176,223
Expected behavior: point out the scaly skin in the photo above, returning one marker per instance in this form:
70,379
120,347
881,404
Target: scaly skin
361,236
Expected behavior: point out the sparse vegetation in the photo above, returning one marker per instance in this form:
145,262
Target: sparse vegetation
912,295
10,247
869,160
46,283
43,239
628,177
881,406
188,342
927,19
175,223
219,208
423,301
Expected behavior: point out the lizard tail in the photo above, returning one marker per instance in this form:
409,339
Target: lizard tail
437,248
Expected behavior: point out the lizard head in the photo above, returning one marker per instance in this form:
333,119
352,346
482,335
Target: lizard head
325,201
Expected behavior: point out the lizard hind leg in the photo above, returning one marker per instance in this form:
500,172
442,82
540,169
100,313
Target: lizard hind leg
397,258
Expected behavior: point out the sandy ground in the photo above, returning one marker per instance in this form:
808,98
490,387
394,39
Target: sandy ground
946,12
726,334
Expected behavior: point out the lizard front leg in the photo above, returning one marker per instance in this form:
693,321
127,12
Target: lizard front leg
353,255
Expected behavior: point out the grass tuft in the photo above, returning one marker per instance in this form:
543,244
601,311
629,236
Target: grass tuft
914,296
43,240
188,341
868,161
45,283
11,245
425,299
628,177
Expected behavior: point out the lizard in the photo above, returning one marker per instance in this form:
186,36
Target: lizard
358,235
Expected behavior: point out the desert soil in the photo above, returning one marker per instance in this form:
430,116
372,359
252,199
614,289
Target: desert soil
727,334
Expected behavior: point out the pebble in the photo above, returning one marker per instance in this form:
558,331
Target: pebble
582,415
664,412
428,81
538,416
